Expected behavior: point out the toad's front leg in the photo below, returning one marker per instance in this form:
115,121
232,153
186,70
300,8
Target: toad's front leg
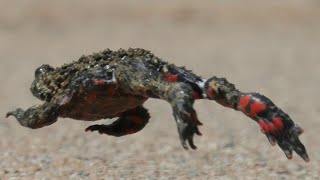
180,96
41,115
36,116
139,78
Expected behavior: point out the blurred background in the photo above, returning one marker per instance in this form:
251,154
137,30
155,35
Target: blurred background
271,47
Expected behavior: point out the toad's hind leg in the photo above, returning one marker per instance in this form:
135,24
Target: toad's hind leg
274,123
129,122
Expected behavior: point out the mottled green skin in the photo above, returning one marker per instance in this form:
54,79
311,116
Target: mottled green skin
59,79
112,84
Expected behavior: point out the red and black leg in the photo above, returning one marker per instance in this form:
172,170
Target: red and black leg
274,123
129,122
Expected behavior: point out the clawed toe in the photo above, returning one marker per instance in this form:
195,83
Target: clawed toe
100,128
288,141
16,113
187,130
271,139
9,114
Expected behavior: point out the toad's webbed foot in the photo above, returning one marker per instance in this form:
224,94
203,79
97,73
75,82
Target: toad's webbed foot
274,123
130,122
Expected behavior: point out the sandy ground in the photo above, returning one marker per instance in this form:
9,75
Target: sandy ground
272,48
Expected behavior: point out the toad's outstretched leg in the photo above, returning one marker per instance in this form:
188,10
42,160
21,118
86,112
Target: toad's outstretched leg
276,124
36,116
130,122
39,116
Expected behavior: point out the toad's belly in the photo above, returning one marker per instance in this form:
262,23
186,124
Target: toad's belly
94,106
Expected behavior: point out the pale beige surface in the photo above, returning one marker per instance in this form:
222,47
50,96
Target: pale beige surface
272,48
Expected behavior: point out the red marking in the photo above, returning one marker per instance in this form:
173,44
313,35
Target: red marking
278,123
91,97
136,120
110,90
272,128
131,100
196,95
267,128
244,101
257,107
86,114
171,78
131,131
210,93
99,82
264,126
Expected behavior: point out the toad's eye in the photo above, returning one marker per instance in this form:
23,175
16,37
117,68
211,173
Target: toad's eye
43,70
42,96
